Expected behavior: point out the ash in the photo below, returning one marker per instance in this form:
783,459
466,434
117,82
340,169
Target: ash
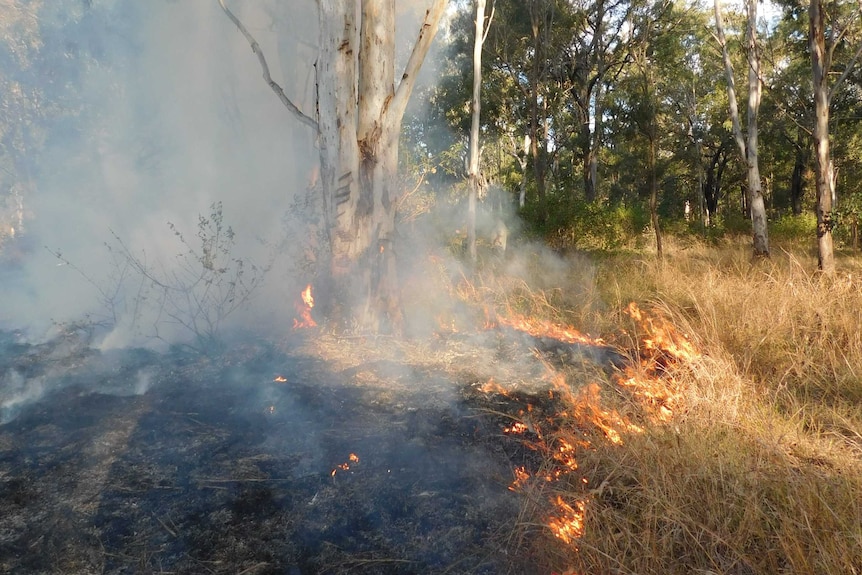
137,462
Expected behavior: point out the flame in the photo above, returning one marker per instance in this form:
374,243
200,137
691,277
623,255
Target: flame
279,379
650,382
655,393
492,386
662,336
303,308
544,328
517,428
521,478
568,525
351,459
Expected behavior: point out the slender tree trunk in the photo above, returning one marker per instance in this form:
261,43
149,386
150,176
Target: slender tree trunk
820,65
473,171
653,189
797,179
596,142
359,110
537,143
339,151
756,209
755,189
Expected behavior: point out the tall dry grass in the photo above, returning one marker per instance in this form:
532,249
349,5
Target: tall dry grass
759,468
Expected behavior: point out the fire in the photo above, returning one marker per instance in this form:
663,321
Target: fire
303,308
654,393
521,478
492,386
650,381
279,379
517,428
569,525
577,419
351,459
543,328
662,336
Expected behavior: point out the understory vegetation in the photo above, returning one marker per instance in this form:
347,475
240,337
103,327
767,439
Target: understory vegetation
742,455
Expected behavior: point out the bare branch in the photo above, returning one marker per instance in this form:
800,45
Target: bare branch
420,49
255,47
845,73
489,19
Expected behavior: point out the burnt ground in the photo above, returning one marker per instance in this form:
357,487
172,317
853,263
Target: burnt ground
137,462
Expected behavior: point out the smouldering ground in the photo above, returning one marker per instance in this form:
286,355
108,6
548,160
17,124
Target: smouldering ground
713,427
326,455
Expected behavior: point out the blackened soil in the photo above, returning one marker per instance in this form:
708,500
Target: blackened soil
144,463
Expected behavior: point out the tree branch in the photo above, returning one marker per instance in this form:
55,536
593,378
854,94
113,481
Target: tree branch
845,73
417,56
255,47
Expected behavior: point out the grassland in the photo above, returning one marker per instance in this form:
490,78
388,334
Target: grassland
755,464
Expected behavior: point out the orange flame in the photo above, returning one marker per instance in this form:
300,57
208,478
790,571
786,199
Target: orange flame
303,308
569,525
279,379
521,478
516,428
492,386
649,382
352,458
662,336
543,328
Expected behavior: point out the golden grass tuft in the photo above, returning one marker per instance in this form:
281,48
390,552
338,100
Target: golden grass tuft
759,468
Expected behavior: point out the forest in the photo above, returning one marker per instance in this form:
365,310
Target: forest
435,286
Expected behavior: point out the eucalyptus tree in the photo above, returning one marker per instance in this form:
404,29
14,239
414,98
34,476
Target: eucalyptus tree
747,143
357,122
592,58
522,47
473,174
827,32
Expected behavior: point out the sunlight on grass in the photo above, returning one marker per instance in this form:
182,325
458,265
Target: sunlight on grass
757,467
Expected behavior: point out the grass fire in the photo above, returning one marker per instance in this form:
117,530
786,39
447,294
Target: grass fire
389,313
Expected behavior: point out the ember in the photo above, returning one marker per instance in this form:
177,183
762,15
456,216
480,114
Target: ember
351,459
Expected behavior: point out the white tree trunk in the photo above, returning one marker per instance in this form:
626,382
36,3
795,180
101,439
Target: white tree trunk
363,238
820,65
747,150
473,168
358,126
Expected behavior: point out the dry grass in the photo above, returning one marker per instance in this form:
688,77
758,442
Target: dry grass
759,468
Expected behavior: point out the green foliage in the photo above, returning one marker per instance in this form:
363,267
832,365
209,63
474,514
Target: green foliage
790,228
589,225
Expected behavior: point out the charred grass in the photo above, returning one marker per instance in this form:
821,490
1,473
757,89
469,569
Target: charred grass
481,446
754,465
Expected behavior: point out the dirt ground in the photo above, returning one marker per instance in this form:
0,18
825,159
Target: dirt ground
137,462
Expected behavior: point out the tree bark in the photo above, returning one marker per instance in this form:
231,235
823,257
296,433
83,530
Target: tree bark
797,179
473,170
756,208
360,111
536,150
820,65
755,189
653,188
